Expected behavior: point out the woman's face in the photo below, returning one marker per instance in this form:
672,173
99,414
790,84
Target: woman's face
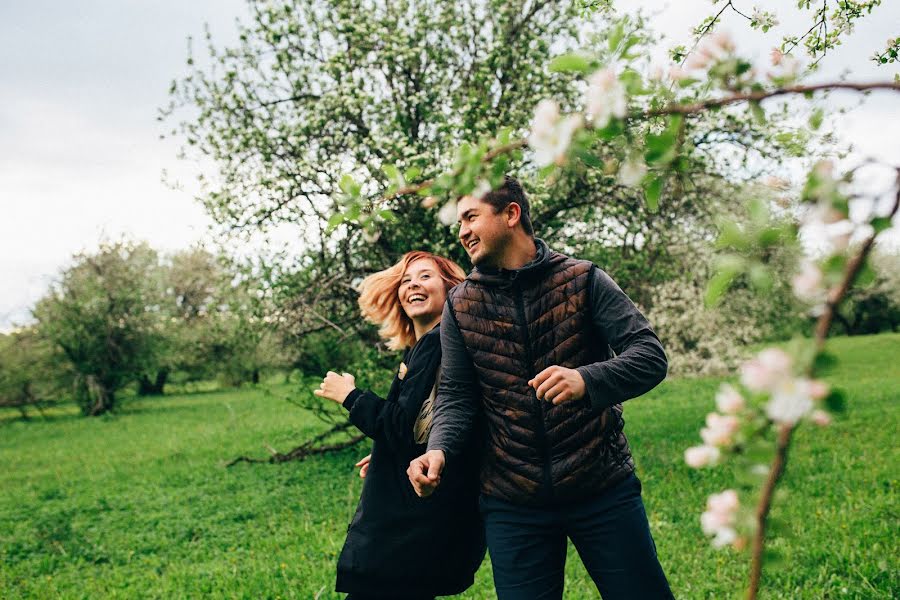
422,293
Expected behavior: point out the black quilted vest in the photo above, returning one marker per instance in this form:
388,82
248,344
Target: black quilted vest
514,326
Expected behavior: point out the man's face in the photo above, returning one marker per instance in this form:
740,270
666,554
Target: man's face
482,232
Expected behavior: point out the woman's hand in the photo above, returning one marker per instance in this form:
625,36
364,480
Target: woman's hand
336,387
364,465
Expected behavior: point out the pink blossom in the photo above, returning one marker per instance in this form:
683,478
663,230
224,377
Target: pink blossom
724,502
729,400
719,429
817,389
820,418
701,456
429,202
720,516
676,73
771,365
807,284
777,56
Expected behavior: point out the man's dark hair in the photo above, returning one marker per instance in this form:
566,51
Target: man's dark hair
511,191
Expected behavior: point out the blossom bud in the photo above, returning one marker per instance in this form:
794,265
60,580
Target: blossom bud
701,456
729,400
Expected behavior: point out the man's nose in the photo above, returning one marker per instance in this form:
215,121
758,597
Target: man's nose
463,232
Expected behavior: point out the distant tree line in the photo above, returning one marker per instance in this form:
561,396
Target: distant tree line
127,316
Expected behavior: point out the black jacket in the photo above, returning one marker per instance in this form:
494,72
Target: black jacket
399,544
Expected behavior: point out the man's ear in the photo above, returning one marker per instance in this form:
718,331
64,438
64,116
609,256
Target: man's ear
513,214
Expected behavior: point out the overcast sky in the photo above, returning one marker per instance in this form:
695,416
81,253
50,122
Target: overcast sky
80,154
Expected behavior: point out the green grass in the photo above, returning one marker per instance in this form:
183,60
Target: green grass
139,504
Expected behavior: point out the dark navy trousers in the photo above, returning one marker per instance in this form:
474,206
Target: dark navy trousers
610,533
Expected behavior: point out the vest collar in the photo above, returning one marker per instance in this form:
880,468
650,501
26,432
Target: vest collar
504,277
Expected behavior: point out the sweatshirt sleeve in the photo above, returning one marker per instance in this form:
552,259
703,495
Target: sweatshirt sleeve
392,421
640,362
457,404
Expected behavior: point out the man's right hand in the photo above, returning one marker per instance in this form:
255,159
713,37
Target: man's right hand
425,472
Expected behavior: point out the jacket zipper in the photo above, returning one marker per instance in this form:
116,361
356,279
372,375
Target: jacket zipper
542,430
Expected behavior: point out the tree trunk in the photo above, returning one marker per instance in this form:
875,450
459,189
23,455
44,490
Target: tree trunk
153,388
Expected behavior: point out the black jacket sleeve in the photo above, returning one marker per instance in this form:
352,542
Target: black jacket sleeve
640,362
458,401
391,420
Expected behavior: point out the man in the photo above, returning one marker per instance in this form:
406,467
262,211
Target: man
526,341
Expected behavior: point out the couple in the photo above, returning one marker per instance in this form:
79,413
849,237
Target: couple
535,353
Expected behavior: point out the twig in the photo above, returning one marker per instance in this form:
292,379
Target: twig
306,449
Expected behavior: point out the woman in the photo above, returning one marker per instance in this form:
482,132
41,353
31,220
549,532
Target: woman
399,545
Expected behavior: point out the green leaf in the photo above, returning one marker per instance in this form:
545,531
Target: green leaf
815,120
836,401
824,362
866,275
652,191
571,62
349,186
760,277
335,220
717,287
660,148
412,173
615,36
879,224
759,115
729,267
731,236
392,172
769,236
353,212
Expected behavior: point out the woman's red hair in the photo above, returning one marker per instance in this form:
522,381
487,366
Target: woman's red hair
380,304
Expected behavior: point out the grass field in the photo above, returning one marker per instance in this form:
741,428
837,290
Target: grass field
139,505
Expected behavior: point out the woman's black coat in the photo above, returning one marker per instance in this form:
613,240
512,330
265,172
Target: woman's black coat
399,544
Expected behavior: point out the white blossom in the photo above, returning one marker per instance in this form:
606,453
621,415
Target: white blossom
791,400
763,19
550,134
701,456
429,202
632,172
605,98
481,188
447,213
729,400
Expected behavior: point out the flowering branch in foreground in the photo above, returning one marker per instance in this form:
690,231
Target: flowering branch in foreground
783,383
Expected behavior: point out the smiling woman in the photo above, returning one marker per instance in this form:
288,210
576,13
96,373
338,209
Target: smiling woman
399,545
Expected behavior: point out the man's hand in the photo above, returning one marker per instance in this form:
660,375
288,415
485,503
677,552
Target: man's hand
364,465
336,387
558,384
425,472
